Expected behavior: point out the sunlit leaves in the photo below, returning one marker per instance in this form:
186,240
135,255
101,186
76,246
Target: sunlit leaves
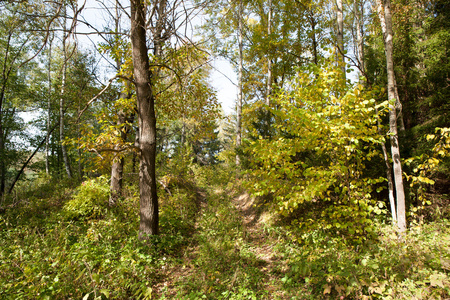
325,132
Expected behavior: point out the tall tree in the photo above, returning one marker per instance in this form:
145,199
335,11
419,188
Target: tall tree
240,82
49,97
340,35
62,95
389,176
269,59
146,113
122,116
393,131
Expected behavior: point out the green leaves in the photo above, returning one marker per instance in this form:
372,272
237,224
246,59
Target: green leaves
90,199
325,131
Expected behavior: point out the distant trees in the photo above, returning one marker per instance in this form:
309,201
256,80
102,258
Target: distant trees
23,37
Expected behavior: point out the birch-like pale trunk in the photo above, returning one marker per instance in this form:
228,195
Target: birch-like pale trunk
398,105
49,102
393,132
61,104
269,59
340,35
359,17
240,69
380,11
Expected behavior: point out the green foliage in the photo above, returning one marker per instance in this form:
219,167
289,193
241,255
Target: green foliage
208,255
46,256
325,133
90,199
381,269
426,168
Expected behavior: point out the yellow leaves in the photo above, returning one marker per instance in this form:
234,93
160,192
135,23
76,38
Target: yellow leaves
252,22
326,289
423,179
440,280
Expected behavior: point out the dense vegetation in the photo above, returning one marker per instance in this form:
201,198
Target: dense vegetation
329,181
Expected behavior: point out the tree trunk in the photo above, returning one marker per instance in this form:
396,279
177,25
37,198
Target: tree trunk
340,35
116,180
2,147
61,105
359,16
118,163
392,95
398,105
388,174
49,78
240,69
5,75
147,123
314,38
269,59
269,70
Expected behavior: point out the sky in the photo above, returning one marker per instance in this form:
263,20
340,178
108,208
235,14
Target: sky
223,79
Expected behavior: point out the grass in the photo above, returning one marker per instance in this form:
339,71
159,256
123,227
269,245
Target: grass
214,244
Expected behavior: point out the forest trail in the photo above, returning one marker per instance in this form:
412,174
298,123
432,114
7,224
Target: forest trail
253,226
229,247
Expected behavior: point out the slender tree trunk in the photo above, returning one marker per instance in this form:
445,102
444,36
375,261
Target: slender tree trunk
269,70
380,11
118,163
388,174
61,105
398,105
147,123
240,69
340,35
79,153
49,78
183,132
392,95
269,59
4,80
116,180
314,38
2,149
359,16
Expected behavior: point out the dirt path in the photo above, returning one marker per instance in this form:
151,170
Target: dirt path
230,253
254,228
261,242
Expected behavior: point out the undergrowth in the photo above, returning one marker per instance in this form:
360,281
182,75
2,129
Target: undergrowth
204,251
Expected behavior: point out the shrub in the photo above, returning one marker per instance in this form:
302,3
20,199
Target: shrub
90,199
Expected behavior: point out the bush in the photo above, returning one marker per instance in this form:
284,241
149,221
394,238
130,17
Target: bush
90,199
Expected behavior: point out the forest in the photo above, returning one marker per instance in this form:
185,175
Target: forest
123,176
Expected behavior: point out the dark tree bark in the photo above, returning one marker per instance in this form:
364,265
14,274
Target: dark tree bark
118,163
147,122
